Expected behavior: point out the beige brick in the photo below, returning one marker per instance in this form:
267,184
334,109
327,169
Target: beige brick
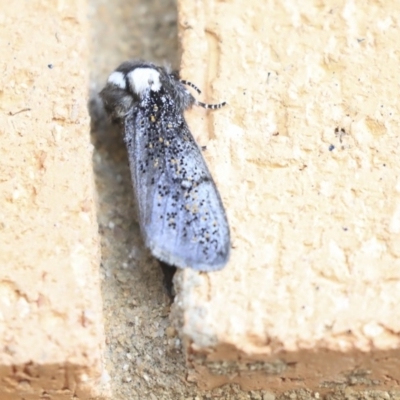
310,297
306,160
51,330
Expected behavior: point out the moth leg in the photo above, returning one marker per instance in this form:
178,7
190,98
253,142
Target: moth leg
168,272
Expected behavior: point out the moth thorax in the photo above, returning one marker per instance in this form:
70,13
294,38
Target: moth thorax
118,79
141,79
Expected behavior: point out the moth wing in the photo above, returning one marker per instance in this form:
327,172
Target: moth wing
181,214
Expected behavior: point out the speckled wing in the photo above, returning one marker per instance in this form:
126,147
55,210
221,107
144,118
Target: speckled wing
180,211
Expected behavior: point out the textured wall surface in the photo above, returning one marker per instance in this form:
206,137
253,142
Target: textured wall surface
305,157
51,328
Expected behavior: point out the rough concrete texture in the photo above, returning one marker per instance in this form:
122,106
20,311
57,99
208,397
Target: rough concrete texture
305,157
51,328
309,298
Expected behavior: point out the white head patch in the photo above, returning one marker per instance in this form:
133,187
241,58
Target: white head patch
117,79
144,78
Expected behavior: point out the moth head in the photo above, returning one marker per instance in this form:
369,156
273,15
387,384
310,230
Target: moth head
139,80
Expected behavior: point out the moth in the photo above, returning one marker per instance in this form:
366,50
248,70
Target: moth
181,215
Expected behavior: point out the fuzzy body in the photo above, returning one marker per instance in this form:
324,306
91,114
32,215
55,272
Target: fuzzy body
181,215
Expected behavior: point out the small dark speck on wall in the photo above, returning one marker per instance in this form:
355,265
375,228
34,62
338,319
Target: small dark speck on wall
331,147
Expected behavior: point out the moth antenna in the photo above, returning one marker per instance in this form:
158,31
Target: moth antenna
192,85
210,106
199,103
